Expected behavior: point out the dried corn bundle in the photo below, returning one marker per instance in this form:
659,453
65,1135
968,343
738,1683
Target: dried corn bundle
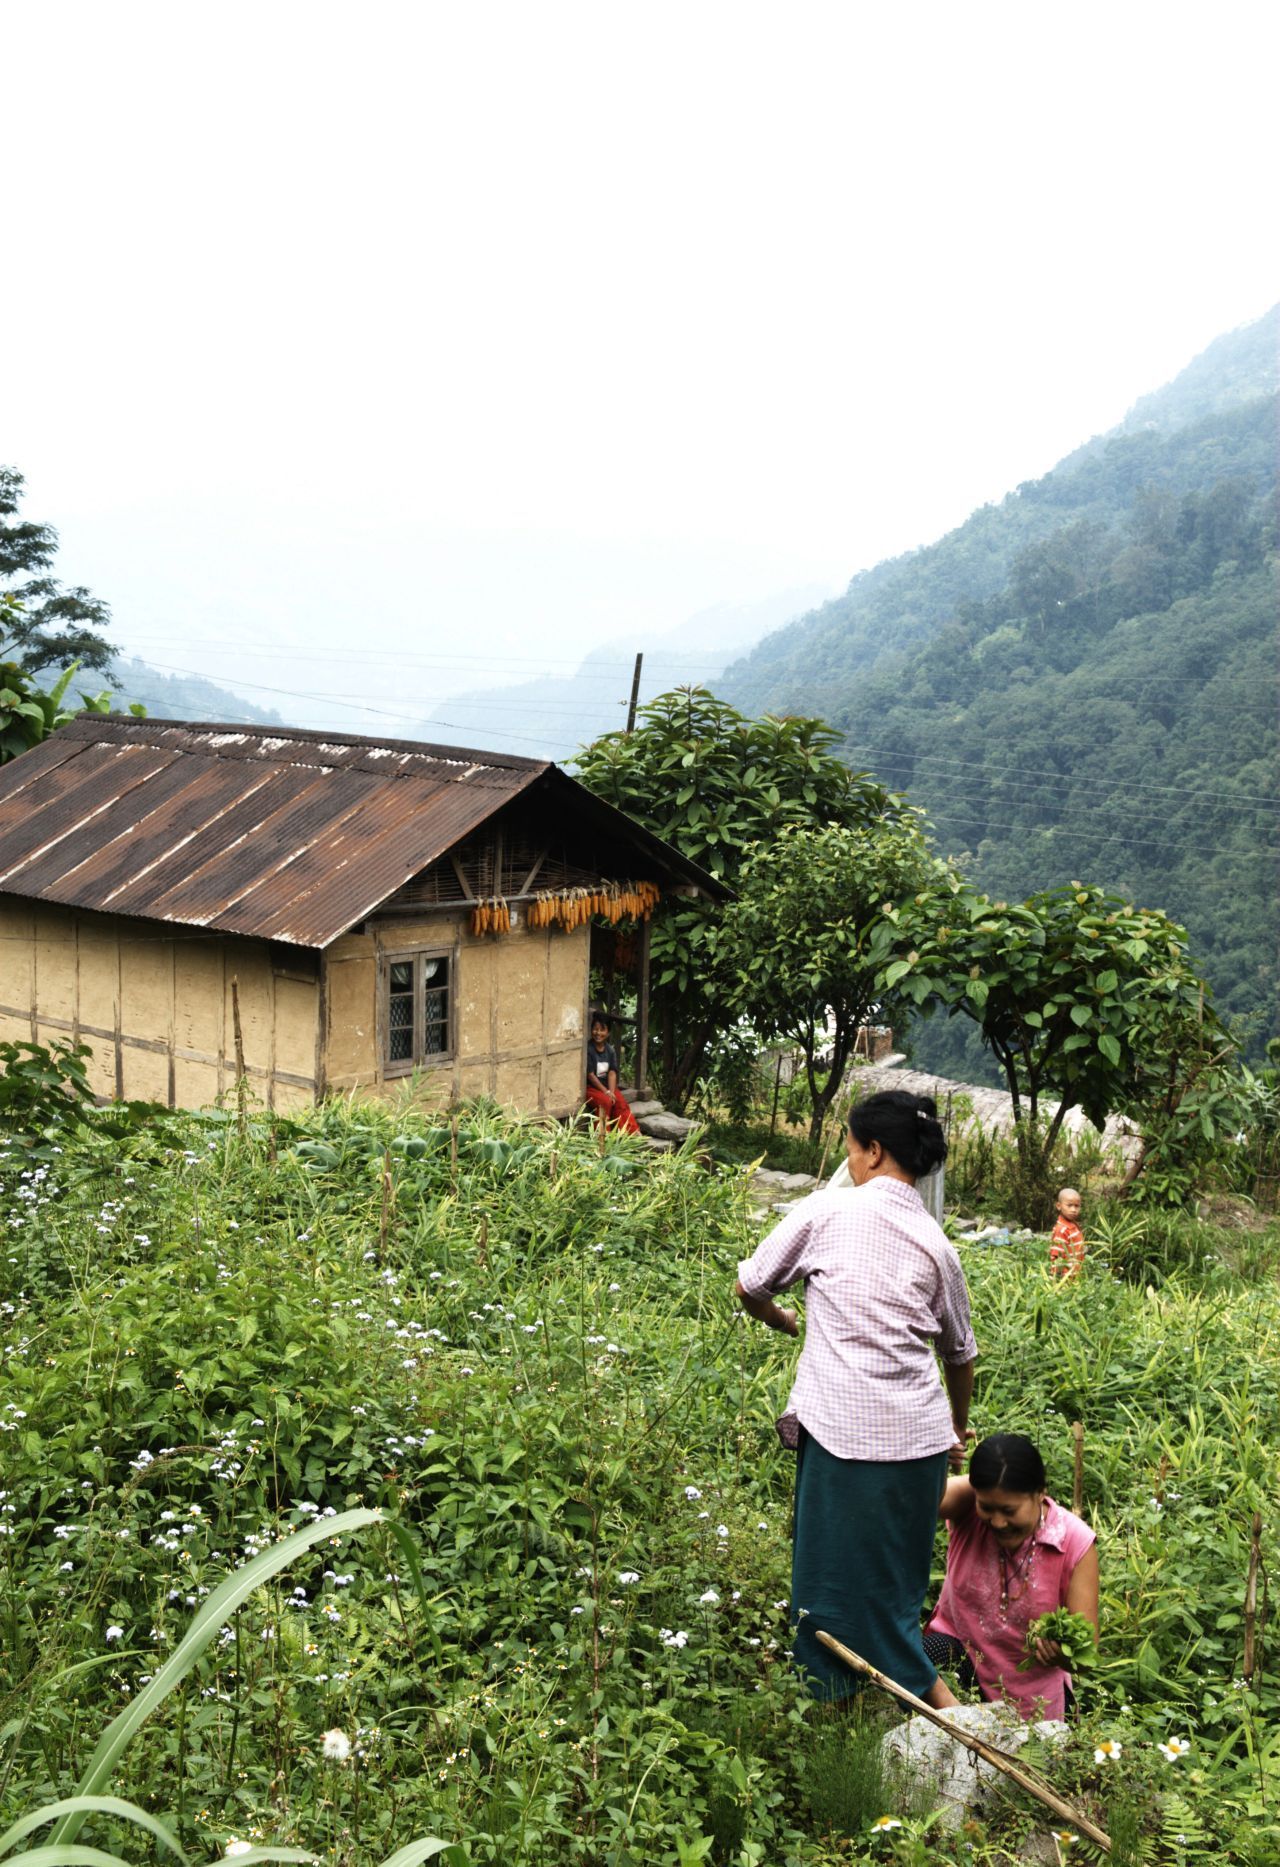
568,908
491,917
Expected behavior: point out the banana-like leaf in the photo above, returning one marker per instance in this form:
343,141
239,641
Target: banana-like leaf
91,1805
216,1609
65,1855
414,1852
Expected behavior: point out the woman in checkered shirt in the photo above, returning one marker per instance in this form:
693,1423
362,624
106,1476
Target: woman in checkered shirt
873,1422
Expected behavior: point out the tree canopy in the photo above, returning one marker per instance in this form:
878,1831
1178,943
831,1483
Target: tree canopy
42,624
1080,680
1081,998
797,944
715,784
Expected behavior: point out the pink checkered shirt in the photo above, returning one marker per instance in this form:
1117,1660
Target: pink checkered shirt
882,1287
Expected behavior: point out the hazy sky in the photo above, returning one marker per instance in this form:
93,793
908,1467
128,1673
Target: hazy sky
376,350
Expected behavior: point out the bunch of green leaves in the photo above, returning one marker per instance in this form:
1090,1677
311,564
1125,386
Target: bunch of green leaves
30,713
44,1090
1072,1632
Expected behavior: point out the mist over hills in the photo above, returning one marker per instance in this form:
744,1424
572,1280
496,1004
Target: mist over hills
1080,681
181,696
551,716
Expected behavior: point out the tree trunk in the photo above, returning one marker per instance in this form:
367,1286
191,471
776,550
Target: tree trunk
683,1072
824,1097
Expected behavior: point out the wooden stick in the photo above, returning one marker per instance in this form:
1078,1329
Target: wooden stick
1041,1792
1077,1482
1251,1601
241,1083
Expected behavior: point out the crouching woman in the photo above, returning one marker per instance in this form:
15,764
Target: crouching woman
1013,1554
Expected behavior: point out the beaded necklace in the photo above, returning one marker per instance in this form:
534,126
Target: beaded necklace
1018,1570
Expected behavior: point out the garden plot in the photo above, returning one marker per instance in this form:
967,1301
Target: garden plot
526,1352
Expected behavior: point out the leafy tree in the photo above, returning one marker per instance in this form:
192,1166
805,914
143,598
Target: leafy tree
41,623
713,783
1079,996
796,943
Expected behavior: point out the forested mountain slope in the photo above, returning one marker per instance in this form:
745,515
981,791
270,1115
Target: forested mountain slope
182,696
1082,681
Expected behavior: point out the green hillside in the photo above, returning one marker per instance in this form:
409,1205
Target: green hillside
1081,681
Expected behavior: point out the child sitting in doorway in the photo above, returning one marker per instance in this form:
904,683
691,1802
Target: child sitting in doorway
602,1079
1066,1246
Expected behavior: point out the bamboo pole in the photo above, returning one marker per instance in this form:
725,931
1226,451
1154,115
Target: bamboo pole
1251,1601
1041,1791
242,1104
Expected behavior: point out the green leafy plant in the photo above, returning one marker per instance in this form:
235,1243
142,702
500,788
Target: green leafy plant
30,713
1072,1632
797,942
68,1815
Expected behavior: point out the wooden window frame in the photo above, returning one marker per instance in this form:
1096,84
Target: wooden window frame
421,1059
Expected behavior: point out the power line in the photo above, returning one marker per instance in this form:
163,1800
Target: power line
357,706
1059,777
1053,829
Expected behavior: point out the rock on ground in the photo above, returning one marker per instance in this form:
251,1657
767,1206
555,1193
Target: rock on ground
960,1779
992,1107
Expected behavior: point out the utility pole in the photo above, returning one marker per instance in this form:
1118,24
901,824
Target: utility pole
635,693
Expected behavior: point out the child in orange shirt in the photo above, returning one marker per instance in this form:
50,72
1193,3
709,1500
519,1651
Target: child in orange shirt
1066,1246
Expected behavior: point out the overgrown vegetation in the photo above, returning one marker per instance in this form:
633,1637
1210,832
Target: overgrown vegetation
525,1352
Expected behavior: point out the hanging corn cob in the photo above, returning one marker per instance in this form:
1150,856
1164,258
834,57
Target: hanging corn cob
568,908
491,917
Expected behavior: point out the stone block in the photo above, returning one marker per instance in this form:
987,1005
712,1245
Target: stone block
666,1127
959,1778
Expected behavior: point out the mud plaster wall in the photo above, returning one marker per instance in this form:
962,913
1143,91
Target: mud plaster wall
155,1006
519,1013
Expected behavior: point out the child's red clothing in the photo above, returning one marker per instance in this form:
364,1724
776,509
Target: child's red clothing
614,1107
1066,1248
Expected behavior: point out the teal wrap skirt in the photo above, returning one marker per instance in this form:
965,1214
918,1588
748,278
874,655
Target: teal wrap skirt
861,1557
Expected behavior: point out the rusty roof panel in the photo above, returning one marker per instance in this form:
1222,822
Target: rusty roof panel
283,834
73,796
363,859
257,841
198,826
91,859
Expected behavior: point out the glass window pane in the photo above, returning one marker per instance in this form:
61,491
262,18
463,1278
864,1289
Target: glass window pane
436,1019
400,1028
400,1012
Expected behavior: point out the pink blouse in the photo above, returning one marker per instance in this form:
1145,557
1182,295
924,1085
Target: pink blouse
1035,1580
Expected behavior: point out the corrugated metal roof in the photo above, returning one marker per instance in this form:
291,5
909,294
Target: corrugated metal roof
292,836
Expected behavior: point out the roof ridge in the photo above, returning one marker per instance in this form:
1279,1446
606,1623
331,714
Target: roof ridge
101,725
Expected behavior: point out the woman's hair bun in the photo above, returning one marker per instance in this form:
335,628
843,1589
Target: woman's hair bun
905,1125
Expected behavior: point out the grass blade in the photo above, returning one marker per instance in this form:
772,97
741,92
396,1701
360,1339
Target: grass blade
212,1613
245,1857
101,1805
56,1855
